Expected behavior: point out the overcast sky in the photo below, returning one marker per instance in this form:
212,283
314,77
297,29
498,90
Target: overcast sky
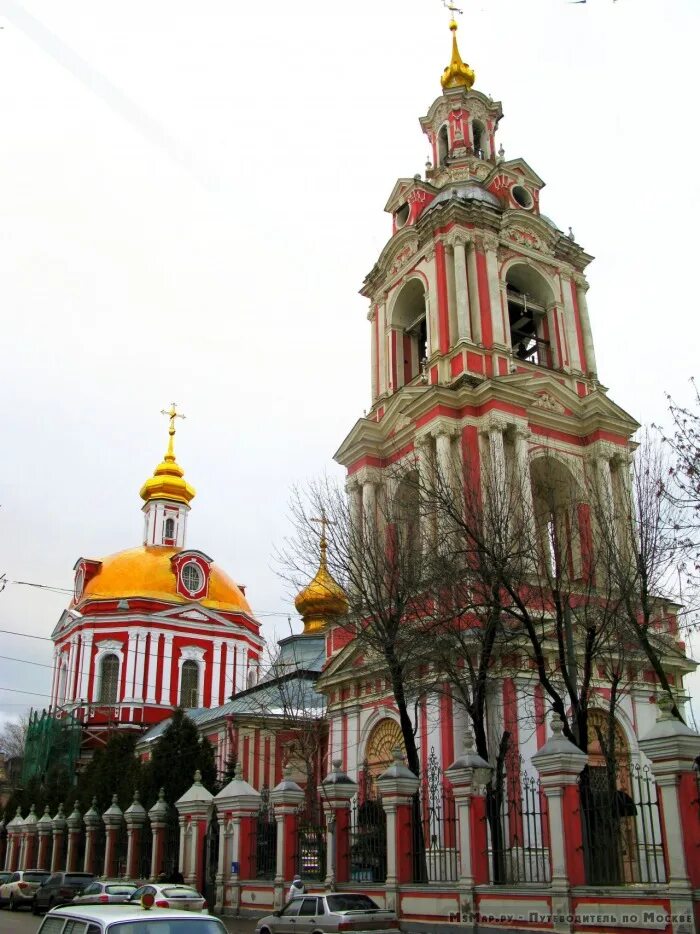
190,196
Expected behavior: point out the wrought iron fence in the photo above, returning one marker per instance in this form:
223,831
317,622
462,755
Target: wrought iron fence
121,850
434,830
310,856
265,843
171,844
367,840
99,843
210,860
143,866
516,814
621,824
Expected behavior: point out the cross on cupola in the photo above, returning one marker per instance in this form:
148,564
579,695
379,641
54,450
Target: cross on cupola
167,496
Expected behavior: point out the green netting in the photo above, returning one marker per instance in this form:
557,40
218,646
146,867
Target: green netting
52,742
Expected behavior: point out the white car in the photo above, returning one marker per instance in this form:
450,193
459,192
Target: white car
20,889
167,895
127,919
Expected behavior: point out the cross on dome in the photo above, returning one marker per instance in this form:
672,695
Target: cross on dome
458,74
172,414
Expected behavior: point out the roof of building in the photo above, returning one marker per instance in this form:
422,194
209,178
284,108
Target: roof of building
148,572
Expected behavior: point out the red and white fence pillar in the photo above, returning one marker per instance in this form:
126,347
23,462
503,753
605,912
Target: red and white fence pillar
44,828
398,786
195,809
559,764
286,798
29,832
237,807
672,748
112,819
158,817
92,821
14,842
75,828
468,776
58,830
135,817
336,792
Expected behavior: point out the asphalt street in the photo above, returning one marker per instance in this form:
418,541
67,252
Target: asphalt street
23,922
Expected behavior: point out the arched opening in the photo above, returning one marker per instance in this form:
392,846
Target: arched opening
443,145
109,679
529,296
384,737
189,684
556,500
480,139
407,523
409,337
169,529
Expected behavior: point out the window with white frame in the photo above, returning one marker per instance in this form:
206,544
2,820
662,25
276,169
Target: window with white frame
109,679
189,684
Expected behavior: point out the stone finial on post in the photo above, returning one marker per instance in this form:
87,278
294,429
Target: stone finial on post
44,828
336,792
672,747
194,808
92,821
74,822
14,842
135,817
58,829
286,798
29,833
158,818
398,786
112,819
468,775
237,806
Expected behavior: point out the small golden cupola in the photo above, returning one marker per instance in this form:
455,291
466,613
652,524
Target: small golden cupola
324,598
167,496
457,74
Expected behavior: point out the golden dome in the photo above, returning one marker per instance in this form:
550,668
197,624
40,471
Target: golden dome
167,481
457,74
147,572
322,598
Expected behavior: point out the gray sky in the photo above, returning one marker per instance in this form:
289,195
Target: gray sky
190,197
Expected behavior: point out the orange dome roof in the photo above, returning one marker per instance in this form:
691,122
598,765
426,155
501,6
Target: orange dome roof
147,572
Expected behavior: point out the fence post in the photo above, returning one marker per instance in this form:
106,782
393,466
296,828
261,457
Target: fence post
75,826
135,817
112,819
672,748
58,828
194,808
158,817
14,831
336,791
468,775
3,841
91,819
286,798
29,832
398,786
559,764
237,805
43,826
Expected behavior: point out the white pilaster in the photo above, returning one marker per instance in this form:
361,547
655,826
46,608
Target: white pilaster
383,379
216,674
473,289
588,349
464,330
139,664
85,657
522,461
373,323
570,322
230,686
166,670
151,687
490,248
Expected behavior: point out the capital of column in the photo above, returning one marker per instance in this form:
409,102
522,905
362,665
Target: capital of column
352,484
372,313
368,475
490,242
522,432
493,422
581,282
448,428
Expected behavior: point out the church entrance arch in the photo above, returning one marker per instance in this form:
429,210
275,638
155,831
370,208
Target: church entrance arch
383,738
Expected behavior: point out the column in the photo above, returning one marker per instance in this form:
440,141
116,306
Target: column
451,290
286,798
158,817
130,663
354,491
58,829
398,786
369,505
424,464
559,764
230,685
237,805
570,321
70,678
194,808
86,663
336,791
54,680
382,338
135,817
373,351
473,290
497,455
242,662
672,747
43,826
445,456
151,686
215,700
140,665
587,334
464,329
166,670
92,821
524,492
490,250
112,819
74,822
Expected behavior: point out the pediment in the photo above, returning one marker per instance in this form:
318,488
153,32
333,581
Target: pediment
518,170
347,660
195,613
402,192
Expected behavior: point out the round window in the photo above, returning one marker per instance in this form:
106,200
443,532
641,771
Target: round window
79,584
401,216
192,577
522,196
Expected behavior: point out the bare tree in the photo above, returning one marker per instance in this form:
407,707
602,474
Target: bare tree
13,737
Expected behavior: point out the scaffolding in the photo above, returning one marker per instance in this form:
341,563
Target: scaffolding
53,741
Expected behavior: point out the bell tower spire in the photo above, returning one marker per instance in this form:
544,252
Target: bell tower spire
167,496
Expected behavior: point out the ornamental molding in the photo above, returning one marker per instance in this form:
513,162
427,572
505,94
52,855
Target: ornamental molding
403,256
193,653
549,403
109,645
493,422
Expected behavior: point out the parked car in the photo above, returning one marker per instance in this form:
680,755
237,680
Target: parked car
60,888
19,889
171,896
106,892
5,877
128,919
347,911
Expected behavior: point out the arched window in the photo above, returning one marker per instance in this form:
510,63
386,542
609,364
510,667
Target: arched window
529,296
479,134
189,684
109,679
409,320
443,145
407,519
169,530
556,497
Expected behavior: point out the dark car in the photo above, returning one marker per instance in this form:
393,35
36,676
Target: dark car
60,889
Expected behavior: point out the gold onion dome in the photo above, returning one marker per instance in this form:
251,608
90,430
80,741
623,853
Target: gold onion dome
168,480
457,74
322,598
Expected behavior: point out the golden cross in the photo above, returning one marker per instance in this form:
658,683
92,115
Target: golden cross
451,7
172,414
324,521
